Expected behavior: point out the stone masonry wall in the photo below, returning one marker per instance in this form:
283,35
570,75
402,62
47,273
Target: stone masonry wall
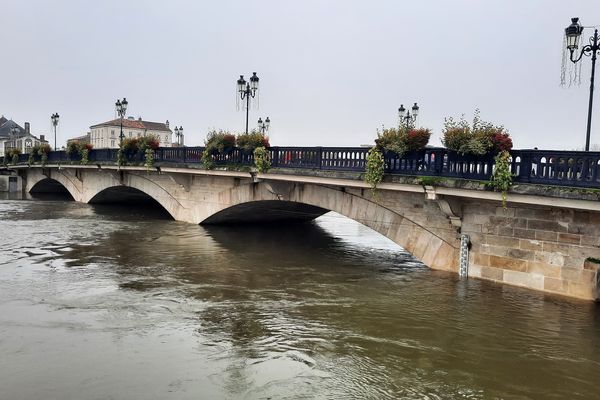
542,248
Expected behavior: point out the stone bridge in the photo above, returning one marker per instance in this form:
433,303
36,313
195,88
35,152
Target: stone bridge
544,240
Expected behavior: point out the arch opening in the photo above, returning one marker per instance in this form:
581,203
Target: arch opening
121,198
49,188
266,211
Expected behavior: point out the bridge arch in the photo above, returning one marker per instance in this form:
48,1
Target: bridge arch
312,200
36,180
109,186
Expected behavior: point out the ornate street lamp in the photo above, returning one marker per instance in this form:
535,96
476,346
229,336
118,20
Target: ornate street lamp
54,118
247,90
179,135
572,34
121,107
263,127
405,116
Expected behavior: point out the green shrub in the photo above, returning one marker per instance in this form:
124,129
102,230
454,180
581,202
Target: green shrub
207,159
219,141
501,177
149,158
479,138
252,140
400,140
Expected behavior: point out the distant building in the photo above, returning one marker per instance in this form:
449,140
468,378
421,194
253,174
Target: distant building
13,135
106,134
80,139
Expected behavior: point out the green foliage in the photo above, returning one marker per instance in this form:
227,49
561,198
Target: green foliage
148,142
478,138
429,180
402,139
252,140
130,146
149,158
84,156
219,141
501,177
73,148
207,159
262,159
15,159
593,260
374,169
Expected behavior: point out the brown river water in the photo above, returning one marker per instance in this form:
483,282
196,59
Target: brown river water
119,302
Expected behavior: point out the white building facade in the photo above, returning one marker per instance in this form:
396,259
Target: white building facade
106,135
13,136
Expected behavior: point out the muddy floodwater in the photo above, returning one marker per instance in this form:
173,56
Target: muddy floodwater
120,302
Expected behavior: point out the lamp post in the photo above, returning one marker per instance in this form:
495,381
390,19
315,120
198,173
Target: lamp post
179,135
247,90
54,118
263,127
121,107
405,116
572,33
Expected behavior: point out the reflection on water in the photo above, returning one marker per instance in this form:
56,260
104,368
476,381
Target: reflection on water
122,302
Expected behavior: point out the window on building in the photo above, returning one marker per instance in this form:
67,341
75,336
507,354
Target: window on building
112,143
112,132
129,134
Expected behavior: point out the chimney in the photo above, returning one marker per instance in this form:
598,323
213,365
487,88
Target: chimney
167,124
139,118
42,138
27,128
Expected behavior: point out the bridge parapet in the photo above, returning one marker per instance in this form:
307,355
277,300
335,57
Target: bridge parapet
551,167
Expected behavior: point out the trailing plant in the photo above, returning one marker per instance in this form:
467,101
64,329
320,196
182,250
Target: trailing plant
43,152
207,159
149,158
478,138
252,140
374,169
84,152
262,160
130,146
501,177
34,153
14,155
120,157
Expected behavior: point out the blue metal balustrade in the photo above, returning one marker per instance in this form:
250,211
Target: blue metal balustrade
552,167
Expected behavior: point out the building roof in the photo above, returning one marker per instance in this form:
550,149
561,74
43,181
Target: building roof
136,124
2,120
10,128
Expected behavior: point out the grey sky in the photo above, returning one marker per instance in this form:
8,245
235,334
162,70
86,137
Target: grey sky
331,72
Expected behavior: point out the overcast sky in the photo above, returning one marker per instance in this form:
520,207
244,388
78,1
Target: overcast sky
331,72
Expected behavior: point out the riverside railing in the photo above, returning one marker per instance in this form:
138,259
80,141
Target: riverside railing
552,167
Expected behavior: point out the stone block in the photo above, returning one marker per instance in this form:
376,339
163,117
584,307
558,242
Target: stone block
546,236
588,277
570,238
533,245
505,231
539,225
508,263
555,285
491,273
524,233
581,290
474,271
584,229
591,266
467,228
556,248
480,259
570,274
549,258
592,241
503,241
525,279
574,262
505,212
532,213
548,270
521,254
